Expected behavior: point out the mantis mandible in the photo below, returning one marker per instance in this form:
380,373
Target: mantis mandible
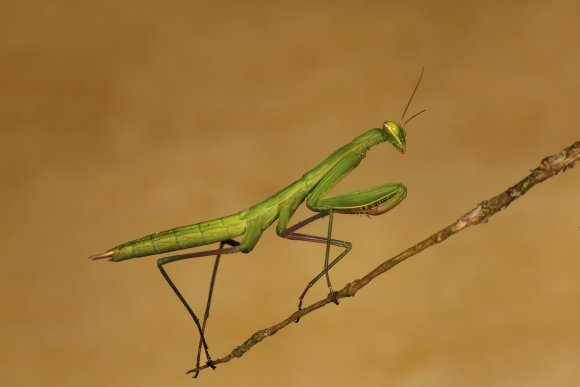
249,224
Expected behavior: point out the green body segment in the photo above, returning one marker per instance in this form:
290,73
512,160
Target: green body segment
181,238
313,187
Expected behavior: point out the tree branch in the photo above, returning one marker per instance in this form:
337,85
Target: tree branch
549,166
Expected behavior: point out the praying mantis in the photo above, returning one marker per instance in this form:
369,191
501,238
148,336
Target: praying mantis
249,224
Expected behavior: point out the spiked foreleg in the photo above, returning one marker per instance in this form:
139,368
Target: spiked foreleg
371,201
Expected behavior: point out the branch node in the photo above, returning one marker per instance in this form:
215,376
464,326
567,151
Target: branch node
350,289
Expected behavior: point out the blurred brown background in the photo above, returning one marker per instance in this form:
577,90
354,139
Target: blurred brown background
123,118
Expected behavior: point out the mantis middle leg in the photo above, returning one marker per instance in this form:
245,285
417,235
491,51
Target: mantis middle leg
291,233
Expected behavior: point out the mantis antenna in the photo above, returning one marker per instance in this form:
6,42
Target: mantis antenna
414,115
410,99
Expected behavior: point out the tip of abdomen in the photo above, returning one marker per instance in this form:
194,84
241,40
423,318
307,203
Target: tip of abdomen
106,255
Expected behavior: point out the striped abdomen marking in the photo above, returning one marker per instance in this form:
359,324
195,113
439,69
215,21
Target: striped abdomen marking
180,238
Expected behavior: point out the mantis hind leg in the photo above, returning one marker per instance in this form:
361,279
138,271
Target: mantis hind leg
232,243
166,260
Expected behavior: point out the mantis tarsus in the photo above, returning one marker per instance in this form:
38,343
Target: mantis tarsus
249,224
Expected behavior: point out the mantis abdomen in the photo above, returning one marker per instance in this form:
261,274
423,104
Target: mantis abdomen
180,238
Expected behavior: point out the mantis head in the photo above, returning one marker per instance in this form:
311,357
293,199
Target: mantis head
396,135
395,132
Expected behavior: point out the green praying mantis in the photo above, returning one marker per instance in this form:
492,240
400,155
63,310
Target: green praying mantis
249,224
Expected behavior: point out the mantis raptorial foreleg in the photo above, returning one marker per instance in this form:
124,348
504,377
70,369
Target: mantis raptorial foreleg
175,258
384,198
